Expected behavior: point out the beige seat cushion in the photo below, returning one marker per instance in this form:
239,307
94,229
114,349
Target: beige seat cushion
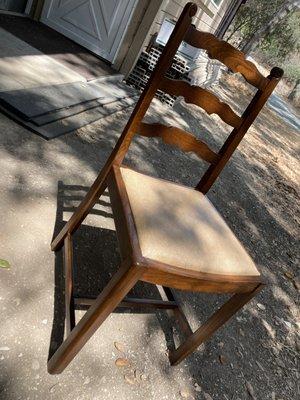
179,226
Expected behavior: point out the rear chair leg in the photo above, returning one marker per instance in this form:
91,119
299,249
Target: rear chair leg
118,287
211,325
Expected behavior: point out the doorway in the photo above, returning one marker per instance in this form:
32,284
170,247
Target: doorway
98,25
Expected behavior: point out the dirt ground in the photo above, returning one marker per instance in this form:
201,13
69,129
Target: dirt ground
254,356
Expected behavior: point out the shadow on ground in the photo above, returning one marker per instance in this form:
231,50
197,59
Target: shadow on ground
256,194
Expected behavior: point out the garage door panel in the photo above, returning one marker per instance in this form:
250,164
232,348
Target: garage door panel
82,18
95,24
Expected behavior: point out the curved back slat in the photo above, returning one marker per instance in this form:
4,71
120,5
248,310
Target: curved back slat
179,138
220,50
202,98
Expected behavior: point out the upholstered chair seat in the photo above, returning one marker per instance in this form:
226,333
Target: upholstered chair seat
179,226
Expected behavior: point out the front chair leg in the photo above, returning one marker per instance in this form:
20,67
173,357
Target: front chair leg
118,287
211,325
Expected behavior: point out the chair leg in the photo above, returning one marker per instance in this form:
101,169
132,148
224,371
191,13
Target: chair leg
106,302
211,325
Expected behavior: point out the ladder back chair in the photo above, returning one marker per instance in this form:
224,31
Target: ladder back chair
169,235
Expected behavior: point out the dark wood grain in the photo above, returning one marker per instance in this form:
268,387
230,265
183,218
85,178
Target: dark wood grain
69,301
123,218
178,314
132,302
234,139
179,138
185,279
106,302
227,54
211,325
134,266
202,98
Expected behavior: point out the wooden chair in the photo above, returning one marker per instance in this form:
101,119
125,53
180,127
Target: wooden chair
169,234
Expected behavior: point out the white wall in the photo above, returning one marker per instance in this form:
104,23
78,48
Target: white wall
172,9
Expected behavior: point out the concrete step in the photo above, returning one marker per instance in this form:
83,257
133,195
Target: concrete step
62,126
34,102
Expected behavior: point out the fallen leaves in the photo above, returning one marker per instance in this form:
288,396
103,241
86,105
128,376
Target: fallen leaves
287,324
197,387
143,377
122,362
185,393
261,306
131,376
140,375
222,359
289,274
295,279
250,390
119,346
129,379
296,283
4,264
273,396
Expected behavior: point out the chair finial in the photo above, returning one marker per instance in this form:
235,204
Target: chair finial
192,8
276,72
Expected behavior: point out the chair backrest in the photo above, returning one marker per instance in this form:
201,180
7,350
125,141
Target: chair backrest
229,56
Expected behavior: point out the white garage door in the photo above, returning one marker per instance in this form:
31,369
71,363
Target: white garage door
97,25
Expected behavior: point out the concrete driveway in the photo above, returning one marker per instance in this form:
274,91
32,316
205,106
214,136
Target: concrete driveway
253,357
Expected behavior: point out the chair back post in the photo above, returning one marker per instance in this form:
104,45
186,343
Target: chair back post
165,60
237,134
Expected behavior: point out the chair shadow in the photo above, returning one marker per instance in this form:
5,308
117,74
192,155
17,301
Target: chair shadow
95,260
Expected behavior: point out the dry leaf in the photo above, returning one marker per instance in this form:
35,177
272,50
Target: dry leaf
261,306
289,274
129,379
120,347
250,390
136,373
4,264
222,359
143,377
185,393
122,362
197,387
207,396
296,283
